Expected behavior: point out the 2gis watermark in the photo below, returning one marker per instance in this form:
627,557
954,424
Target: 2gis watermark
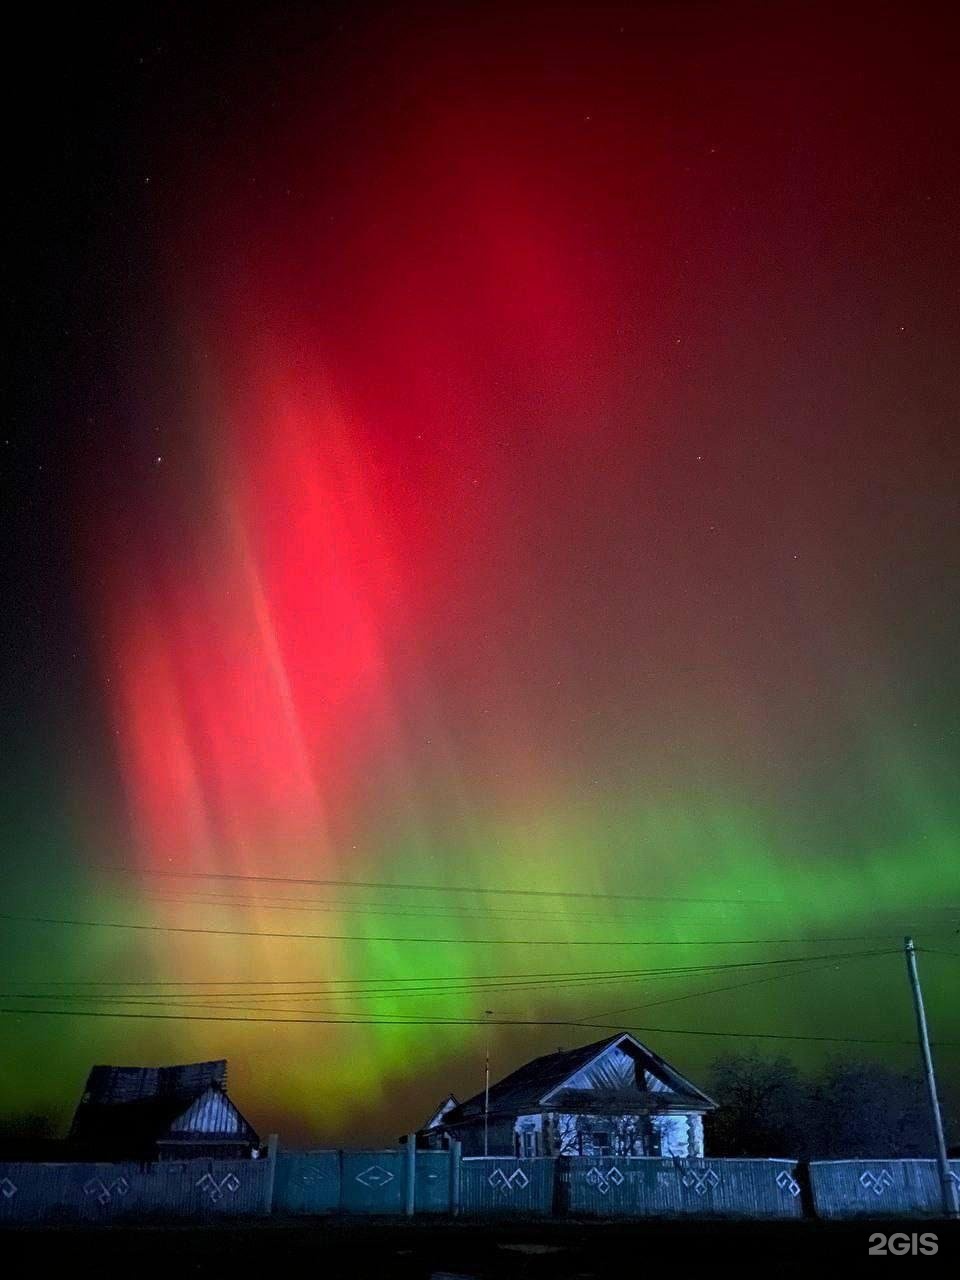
902,1244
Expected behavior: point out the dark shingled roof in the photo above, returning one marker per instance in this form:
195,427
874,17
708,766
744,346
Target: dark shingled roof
137,1084
525,1087
128,1109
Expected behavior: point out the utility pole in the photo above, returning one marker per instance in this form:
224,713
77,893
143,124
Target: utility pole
948,1183
486,1094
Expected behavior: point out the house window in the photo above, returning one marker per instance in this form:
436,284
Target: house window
595,1144
528,1143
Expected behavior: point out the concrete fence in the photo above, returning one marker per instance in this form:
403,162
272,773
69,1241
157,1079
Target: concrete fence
396,1181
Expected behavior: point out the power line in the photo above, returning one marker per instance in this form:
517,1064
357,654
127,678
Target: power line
203,1001
466,987
276,902
403,910
432,888
458,986
375,994
736,986
660,971
479,1022
460,942
586,974
773,1035
403,993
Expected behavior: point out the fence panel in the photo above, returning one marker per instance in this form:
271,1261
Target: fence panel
307,1182
650,1186
505,1184
433,1182
372,1181
105,1192
877,1188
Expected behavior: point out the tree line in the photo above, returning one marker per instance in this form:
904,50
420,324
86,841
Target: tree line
844,1110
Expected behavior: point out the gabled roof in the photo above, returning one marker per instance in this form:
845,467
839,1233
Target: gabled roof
448,1104
136,1084
130,1109
541,1083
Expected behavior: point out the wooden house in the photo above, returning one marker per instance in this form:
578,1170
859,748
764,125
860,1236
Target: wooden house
160,1113
612,1097
433,1136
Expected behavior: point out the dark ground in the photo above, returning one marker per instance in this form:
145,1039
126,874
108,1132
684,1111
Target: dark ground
475,1250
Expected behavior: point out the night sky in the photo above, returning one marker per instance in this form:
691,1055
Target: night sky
481,488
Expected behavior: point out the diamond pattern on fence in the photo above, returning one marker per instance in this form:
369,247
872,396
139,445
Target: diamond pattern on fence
666,1186
603,1179
870,1188
104,1193
501,1184
215,1189
876,1182
787,1182
372,1181
701,1181
75,1191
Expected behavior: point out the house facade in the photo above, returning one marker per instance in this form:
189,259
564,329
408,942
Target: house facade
160,1113
612,1097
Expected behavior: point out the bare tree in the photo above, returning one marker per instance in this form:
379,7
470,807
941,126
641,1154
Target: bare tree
762,1106
848,1109
865,1109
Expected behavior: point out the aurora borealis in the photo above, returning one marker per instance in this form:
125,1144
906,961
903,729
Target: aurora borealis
484,495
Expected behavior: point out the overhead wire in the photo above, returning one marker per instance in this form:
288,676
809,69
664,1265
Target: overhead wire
479,1022
461,988
434,941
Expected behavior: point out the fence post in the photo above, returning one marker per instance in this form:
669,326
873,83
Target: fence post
563,1171
455,1150
273,1143
411,1179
